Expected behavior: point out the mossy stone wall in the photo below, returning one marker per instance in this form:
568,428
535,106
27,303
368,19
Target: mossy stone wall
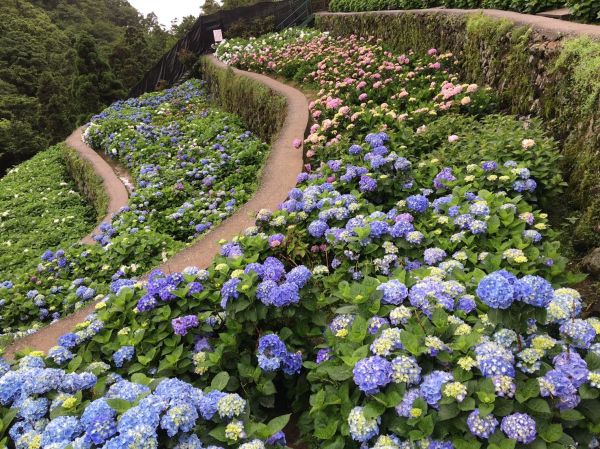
262,110
88,183
555,78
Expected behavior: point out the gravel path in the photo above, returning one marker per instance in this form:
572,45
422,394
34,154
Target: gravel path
551,28
278,177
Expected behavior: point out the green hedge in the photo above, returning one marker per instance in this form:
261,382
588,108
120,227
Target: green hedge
88,183
260,108
584,10
556,80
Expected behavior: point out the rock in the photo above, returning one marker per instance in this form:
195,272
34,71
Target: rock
591,263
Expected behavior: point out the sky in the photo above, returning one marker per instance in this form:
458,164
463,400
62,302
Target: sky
167,10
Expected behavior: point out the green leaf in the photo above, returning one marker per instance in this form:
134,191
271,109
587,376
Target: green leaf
539,406
551,433
373,410
277,424
327,431
529,390
119,405
410,342
220,381
571,415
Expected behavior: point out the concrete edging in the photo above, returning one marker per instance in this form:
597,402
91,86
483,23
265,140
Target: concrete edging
278,177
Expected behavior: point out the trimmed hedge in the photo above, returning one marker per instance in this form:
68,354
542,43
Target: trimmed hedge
262,111
88,183
556,80
586,10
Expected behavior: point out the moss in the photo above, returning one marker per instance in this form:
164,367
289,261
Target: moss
262,111
556,80
88,183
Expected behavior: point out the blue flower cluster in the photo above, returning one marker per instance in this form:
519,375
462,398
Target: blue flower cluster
273,355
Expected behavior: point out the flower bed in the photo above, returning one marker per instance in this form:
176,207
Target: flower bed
192,164
40,209
408,293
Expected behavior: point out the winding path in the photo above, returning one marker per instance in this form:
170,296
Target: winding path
113,186
278,177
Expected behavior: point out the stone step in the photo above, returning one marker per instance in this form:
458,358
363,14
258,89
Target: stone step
562,14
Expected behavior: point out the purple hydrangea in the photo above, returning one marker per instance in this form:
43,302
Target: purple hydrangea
183,324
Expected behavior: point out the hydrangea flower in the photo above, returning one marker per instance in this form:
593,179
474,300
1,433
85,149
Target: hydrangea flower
481,427
394,292
520,427
496,291
362,429
124,354
372,373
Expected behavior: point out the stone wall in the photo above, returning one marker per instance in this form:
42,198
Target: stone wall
539,66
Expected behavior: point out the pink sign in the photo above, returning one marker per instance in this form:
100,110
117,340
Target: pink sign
218,35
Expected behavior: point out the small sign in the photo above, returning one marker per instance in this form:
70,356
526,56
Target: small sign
218,35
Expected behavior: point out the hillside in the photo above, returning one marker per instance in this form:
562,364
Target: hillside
62,61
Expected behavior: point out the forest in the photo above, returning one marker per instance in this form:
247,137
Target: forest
61,61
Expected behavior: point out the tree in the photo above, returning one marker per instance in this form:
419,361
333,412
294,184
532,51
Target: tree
95,85
210,7
178,30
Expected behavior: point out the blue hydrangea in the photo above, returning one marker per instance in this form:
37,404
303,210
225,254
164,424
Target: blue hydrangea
61,429
431,387
417,203
578,332
229,291
496,291
180,417
372,373
128,391
482,427
406,405
318,228
520,427
394,292
124,354
208,404
362,428
535,290
60,355
299,275
271,352
494,359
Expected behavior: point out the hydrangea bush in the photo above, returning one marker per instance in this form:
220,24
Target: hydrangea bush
402,295
193,166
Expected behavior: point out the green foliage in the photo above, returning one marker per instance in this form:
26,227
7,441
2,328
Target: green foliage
585,10
41,210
